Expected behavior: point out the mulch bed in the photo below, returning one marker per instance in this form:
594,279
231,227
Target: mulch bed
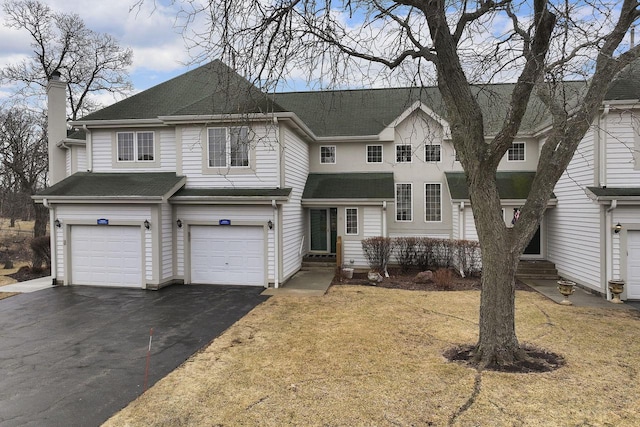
405,280
27,273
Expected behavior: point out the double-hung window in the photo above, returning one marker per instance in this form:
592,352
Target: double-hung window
404,202
516,152
403,153
228,147
351,221
433,202
432,152
135,147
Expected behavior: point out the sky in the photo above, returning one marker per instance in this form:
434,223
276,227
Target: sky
159,52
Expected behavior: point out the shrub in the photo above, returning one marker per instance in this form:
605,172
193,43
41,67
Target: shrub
424,253
377,251
41,251
443,278
405,252
469,257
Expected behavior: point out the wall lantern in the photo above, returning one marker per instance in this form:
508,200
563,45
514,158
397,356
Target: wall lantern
617,228
179,223
146,224
270,224
57,223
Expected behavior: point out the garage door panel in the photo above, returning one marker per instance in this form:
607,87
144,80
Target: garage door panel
106,255
227,255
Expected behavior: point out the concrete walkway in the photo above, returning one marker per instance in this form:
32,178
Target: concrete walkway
305,283
28,286
580,297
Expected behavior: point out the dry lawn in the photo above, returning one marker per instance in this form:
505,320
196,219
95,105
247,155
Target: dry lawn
370,356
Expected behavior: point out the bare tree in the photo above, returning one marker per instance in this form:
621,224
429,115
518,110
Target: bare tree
537,44
89,62
23,162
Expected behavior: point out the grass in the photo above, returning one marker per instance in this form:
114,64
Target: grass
369,356
4,295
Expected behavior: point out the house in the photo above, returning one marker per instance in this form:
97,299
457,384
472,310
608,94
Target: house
205,179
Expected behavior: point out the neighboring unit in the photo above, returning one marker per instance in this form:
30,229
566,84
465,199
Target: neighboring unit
206,179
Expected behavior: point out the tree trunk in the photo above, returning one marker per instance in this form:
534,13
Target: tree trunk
498,344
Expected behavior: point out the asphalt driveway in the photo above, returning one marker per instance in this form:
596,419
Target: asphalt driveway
73,356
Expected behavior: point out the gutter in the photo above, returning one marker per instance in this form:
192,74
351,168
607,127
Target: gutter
276,247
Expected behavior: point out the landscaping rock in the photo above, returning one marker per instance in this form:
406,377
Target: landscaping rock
424,277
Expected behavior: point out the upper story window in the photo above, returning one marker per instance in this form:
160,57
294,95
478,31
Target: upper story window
516,152
404,202
328,154
403,153
432,152
351,221
228,147
374,153
433,202
135,147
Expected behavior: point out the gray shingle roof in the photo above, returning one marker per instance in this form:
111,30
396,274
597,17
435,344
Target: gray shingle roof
349,186
114,185
210,89
511,185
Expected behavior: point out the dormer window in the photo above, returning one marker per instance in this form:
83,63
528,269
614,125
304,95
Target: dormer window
328,154
136,147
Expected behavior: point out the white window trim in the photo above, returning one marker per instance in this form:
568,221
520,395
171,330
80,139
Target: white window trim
524,152
396,201
425,152
425,203
346,228
395,153
228,149
366,154
335,154
135,148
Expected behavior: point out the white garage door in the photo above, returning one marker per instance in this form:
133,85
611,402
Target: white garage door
633,265
106,255
227,255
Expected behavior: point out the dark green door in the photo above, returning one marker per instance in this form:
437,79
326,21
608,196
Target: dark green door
319,235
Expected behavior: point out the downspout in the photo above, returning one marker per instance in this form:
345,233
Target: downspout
608,258
461,222
88,149
52,243
276,246
384,218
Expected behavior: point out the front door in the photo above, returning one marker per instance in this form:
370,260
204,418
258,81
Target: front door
323,224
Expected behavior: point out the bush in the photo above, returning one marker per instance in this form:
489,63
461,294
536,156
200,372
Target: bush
41,251
443,278
405,252
469,257
424,253
377,251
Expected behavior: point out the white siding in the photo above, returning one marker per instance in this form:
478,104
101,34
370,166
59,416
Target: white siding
104,157
372,223
68,161
204,214
353,251
455,222
620,142
470,232
296,169
624,215
82,159
89,214
573,226
263,173
60,252
167,241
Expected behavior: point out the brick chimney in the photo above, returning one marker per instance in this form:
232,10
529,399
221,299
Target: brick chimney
56,127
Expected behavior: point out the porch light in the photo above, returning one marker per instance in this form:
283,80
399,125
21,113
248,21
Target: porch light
179,223
57,223
146,224
617,228
270,224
